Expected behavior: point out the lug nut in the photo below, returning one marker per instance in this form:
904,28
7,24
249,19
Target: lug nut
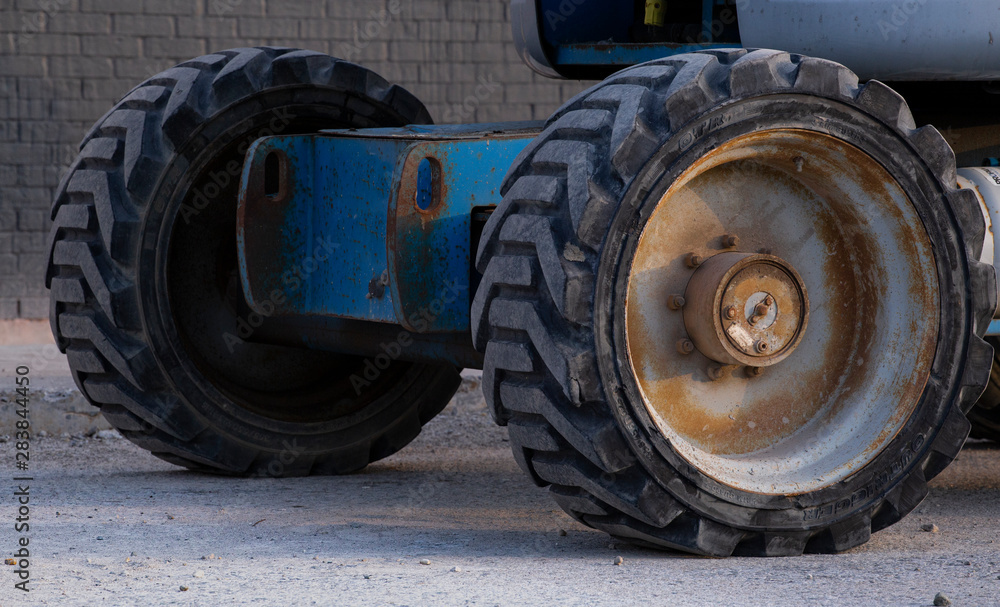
731,312
715,372
675,302
761,346
685,346
754,371
730,240
693,260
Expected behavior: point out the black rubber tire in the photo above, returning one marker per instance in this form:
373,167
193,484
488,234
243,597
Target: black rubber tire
144,287
985,416
545,311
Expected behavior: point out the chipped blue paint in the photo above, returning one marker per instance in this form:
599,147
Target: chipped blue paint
375,224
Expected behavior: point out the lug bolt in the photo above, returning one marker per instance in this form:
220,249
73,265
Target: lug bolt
731,312
754,371
761,309
675,302
730,240
685,346
693,260
715,372
761,346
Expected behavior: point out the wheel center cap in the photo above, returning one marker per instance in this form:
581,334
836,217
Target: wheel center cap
746,309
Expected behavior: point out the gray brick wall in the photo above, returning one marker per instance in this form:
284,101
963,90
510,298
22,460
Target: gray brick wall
64,62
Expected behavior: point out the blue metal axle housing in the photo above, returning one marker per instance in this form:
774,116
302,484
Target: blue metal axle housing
371,225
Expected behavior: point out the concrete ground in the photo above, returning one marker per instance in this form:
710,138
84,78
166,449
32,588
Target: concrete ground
112,525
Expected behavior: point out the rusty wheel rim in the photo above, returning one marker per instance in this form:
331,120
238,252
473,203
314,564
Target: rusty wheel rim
835,233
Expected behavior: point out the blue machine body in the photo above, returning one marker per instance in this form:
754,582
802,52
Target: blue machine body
921,40
623,55
589,39
371,225
379,225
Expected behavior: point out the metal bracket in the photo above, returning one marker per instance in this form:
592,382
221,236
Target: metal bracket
372,224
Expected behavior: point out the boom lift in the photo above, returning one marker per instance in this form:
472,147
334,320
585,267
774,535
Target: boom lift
730,300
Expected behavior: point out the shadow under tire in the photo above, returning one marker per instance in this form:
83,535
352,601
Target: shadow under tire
557,258
145,294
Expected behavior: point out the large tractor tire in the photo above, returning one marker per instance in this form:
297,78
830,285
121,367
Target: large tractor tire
731,304
145,293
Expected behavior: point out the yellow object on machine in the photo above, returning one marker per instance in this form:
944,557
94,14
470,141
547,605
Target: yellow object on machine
656,12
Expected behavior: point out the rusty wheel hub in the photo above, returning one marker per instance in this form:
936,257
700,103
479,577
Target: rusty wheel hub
782,310
745,309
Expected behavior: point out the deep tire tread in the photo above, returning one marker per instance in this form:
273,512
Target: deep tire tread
560,196
92,245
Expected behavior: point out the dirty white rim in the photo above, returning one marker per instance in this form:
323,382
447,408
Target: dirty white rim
847,228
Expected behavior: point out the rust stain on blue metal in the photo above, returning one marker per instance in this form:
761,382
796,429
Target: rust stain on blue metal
430,247
372,224
317,251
